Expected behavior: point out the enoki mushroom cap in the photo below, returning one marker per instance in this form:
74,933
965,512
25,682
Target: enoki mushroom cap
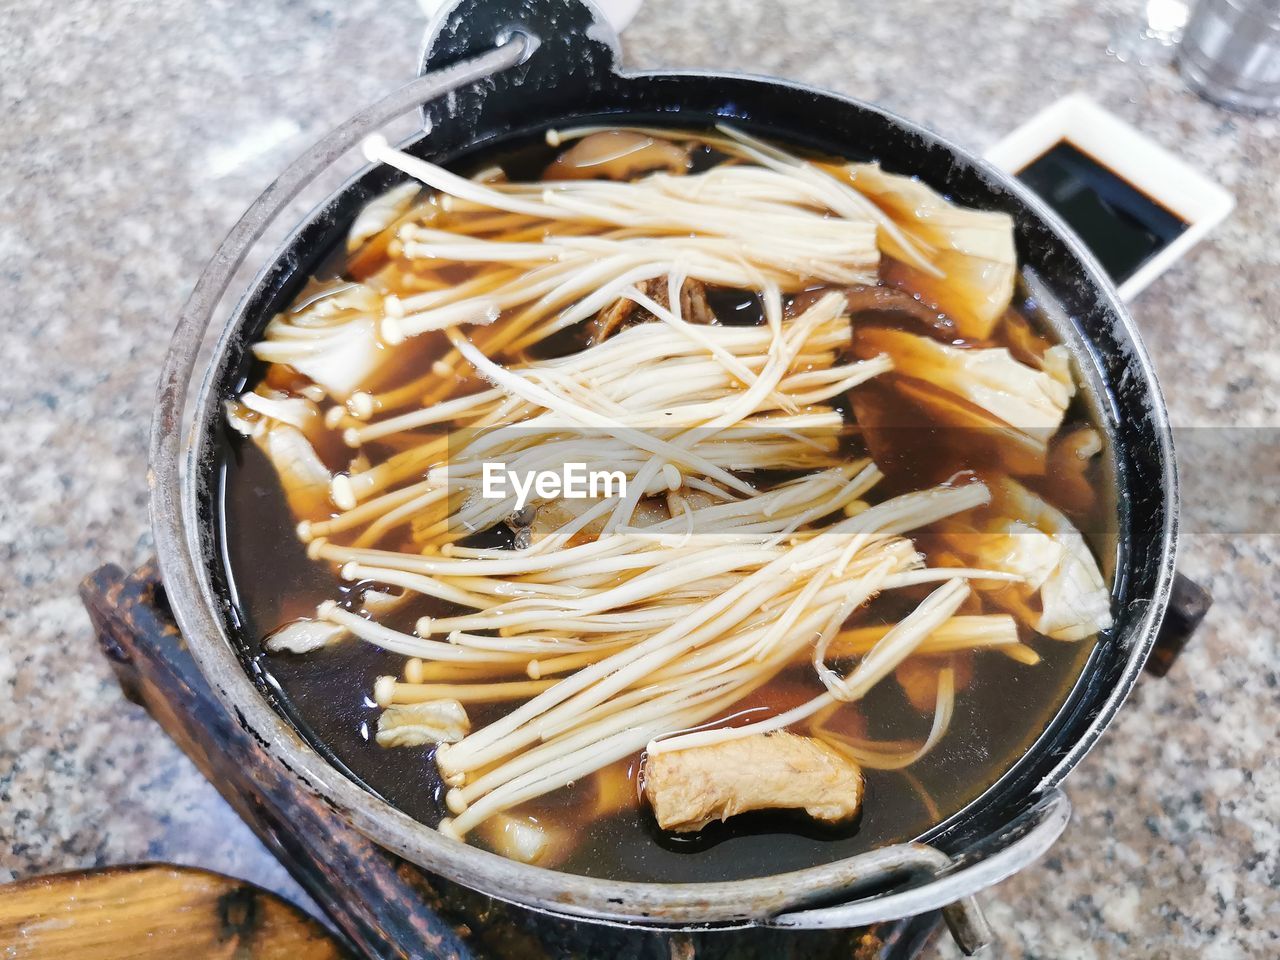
455,801
384,691
361,405
451,776
391,330
343,492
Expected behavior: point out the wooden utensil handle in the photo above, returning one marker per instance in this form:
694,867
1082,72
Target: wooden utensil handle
155,912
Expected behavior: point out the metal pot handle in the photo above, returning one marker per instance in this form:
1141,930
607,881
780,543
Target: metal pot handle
617,13
936,882
166,433
573,48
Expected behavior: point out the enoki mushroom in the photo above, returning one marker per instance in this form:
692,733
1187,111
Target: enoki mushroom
641,621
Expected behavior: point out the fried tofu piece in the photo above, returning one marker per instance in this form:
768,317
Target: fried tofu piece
526,839
765,771
420,724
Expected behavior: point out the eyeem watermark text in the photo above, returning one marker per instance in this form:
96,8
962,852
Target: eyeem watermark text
573,481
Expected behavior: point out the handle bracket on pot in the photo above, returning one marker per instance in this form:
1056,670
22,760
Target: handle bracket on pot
935,882
1188,604
570,48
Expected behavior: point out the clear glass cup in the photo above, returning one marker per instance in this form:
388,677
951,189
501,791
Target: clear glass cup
1230,53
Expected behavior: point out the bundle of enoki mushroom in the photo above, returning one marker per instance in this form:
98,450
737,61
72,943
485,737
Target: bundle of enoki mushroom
617,623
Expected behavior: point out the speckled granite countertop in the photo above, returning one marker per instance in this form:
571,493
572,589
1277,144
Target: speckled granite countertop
134,134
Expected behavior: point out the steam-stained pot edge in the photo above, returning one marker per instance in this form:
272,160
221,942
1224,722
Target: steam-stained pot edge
535,96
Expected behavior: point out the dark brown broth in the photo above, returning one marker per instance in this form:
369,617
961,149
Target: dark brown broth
327,694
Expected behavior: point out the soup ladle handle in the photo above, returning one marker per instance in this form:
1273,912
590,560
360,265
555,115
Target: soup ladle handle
929,880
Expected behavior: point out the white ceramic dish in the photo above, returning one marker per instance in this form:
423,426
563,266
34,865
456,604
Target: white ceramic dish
1130,154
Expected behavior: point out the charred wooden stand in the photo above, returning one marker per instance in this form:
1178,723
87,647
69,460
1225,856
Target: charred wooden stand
385,907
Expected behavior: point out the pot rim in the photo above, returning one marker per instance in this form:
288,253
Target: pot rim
180,533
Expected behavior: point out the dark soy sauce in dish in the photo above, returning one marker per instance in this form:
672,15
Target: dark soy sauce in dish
998,716
1123,226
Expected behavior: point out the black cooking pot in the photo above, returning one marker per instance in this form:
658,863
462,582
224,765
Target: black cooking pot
497,71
